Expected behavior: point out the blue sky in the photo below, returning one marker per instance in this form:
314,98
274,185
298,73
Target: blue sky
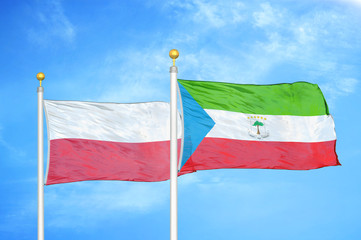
118,51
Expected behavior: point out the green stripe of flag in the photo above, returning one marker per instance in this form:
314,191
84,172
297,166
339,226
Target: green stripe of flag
298,99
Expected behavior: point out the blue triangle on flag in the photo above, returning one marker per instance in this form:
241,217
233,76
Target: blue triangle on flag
197,124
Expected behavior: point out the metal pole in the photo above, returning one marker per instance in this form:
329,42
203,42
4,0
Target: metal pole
173,149
40,77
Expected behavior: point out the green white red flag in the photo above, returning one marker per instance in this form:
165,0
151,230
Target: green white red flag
282,126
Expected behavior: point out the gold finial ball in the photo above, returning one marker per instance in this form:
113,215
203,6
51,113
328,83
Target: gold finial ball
40,76
173,53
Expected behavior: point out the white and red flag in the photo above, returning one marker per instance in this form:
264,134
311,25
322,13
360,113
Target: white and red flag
107,141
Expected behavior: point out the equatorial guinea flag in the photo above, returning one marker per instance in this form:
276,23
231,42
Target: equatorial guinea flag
107,141
281,126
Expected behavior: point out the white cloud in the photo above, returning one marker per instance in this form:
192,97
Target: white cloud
348,85
311,42
52,24
268,16
218,15
353,2
215,14
338,87
283,37
287,38
304,34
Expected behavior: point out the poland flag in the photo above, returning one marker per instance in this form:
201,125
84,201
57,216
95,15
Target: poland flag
108,141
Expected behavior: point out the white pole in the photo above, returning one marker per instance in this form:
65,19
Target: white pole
173,148
40,77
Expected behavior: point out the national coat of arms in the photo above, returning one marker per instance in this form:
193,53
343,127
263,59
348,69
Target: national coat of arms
258,128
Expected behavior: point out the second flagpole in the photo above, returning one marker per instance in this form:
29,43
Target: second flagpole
173,148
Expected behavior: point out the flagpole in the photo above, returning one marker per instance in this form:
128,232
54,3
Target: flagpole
173,148
40,76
